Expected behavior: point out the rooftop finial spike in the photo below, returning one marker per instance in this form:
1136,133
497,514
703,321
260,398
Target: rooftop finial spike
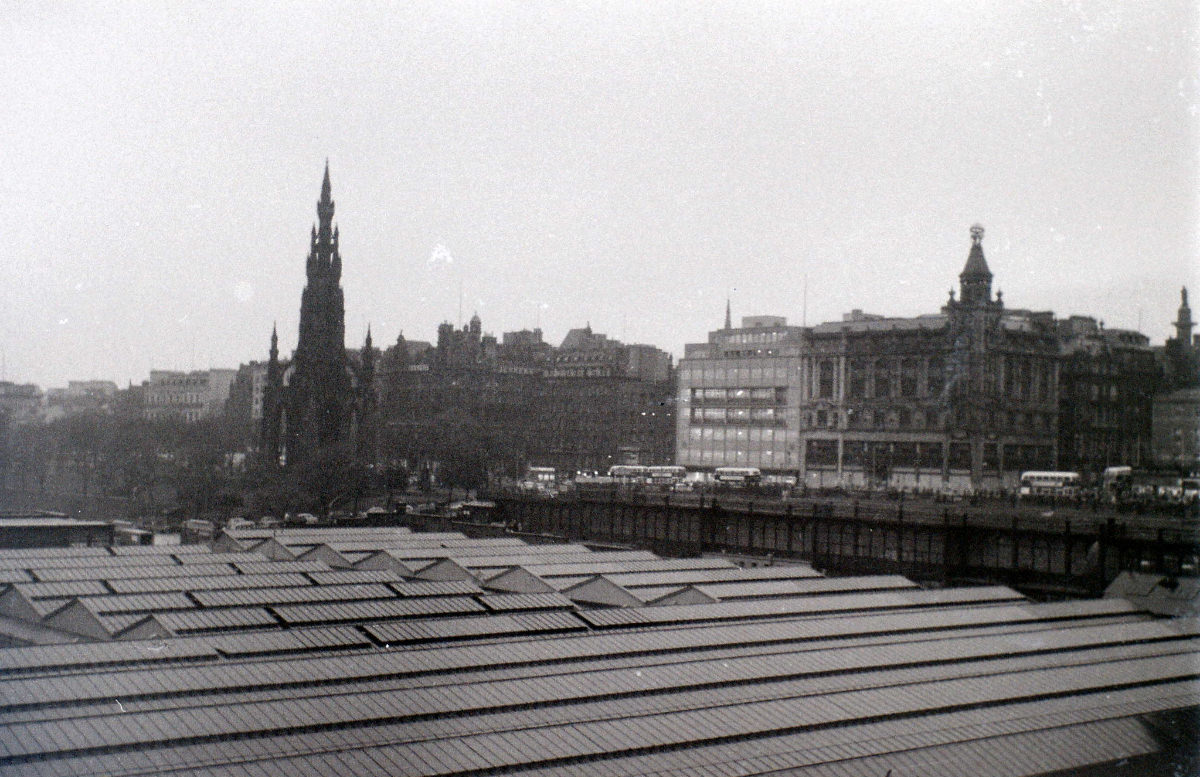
326,187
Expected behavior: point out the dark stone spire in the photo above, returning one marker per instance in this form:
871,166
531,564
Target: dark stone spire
1184,324
272,405
318,395
366,406
323,258
976,279
728,315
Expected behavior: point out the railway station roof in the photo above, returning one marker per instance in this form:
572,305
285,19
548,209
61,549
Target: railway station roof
279,667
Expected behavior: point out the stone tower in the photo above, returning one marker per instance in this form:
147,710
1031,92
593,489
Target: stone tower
322,400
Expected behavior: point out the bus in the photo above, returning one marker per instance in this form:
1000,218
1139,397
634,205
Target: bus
737,476
540,479
1116,481
665,475
542,474
628,474
1056,484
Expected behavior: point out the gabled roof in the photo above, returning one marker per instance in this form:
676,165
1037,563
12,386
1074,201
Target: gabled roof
444,569
599,590
327,555
687,595
77,618
517,580
224,542
273,549
383,560
16,604
145,628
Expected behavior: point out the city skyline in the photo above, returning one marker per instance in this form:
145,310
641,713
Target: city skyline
549,167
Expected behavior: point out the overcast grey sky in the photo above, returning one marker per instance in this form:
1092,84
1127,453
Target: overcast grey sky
625,164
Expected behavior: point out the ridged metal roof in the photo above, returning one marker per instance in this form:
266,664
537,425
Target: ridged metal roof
291,668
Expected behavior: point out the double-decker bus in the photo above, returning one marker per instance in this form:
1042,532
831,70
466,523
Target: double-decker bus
737,476
628,474
665,475
1116,481
540,479
1055,484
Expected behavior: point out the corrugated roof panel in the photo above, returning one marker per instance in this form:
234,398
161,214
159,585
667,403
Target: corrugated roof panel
48,657
822,604
349,576
216,620
223,582
263,567
14,576
106,560
599,564
324,750
520,557
514,602
764,588
139,604
382,532
219,558
577,737
418,588
62,589
402,632
601,646
72,550
149,571
693,577
151,550
377,610
418,541
271,596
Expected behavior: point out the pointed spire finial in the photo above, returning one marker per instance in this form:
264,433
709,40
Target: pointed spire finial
728,315
976,278
326,187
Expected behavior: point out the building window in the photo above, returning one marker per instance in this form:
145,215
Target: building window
821,452
825,379
883,383
908,378
856,380
936,376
